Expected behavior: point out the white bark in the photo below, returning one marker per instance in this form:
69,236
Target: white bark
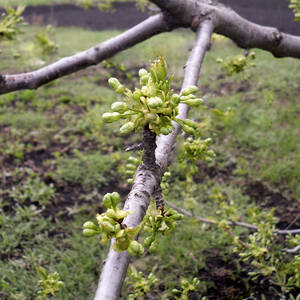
116,264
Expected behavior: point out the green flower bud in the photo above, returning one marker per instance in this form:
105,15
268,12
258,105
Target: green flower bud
146,90
131,167
111,117
148,241
130,181
121,214
108,227
133,160
111,213
113,83
135,248
155,102
107,201
137,94
252,55
177,217
117,228
163,227
89,232
119,107
184,98
187,129
189,90
90,225
191,123
144,80
175,98
193,102
120,89
127,128
126,114
211,153
130,172
208,141
142,72
159,70
150,116
121,245
153,247
115,199
165,130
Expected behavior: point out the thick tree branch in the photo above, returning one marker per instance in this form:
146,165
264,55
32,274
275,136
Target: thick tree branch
245,34
32,80
146,180
230,223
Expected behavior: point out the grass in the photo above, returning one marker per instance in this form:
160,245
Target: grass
58,159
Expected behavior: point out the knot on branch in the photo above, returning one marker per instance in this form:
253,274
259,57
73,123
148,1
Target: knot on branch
277,37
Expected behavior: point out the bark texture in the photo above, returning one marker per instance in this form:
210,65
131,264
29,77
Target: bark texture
148,177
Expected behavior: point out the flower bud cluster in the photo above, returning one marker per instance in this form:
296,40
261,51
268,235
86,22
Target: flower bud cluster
198,149
153,104
237,64
131,167
110,226
156,222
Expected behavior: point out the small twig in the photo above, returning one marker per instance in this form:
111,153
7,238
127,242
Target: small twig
293,250
134,147
294,221
234,236
230,223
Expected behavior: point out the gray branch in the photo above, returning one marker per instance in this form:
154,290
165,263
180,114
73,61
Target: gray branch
230,223
293,250
177,13
116,264
245,34
32,80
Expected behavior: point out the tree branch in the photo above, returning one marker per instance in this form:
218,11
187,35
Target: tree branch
245,34
230,223
115,267
293,250
32,80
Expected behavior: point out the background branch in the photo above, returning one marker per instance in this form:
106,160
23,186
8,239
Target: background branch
115,267
230,223
228,23
32,80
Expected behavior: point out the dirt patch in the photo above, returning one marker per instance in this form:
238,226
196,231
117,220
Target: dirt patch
286,210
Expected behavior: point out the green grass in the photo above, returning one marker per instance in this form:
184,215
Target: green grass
54,137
